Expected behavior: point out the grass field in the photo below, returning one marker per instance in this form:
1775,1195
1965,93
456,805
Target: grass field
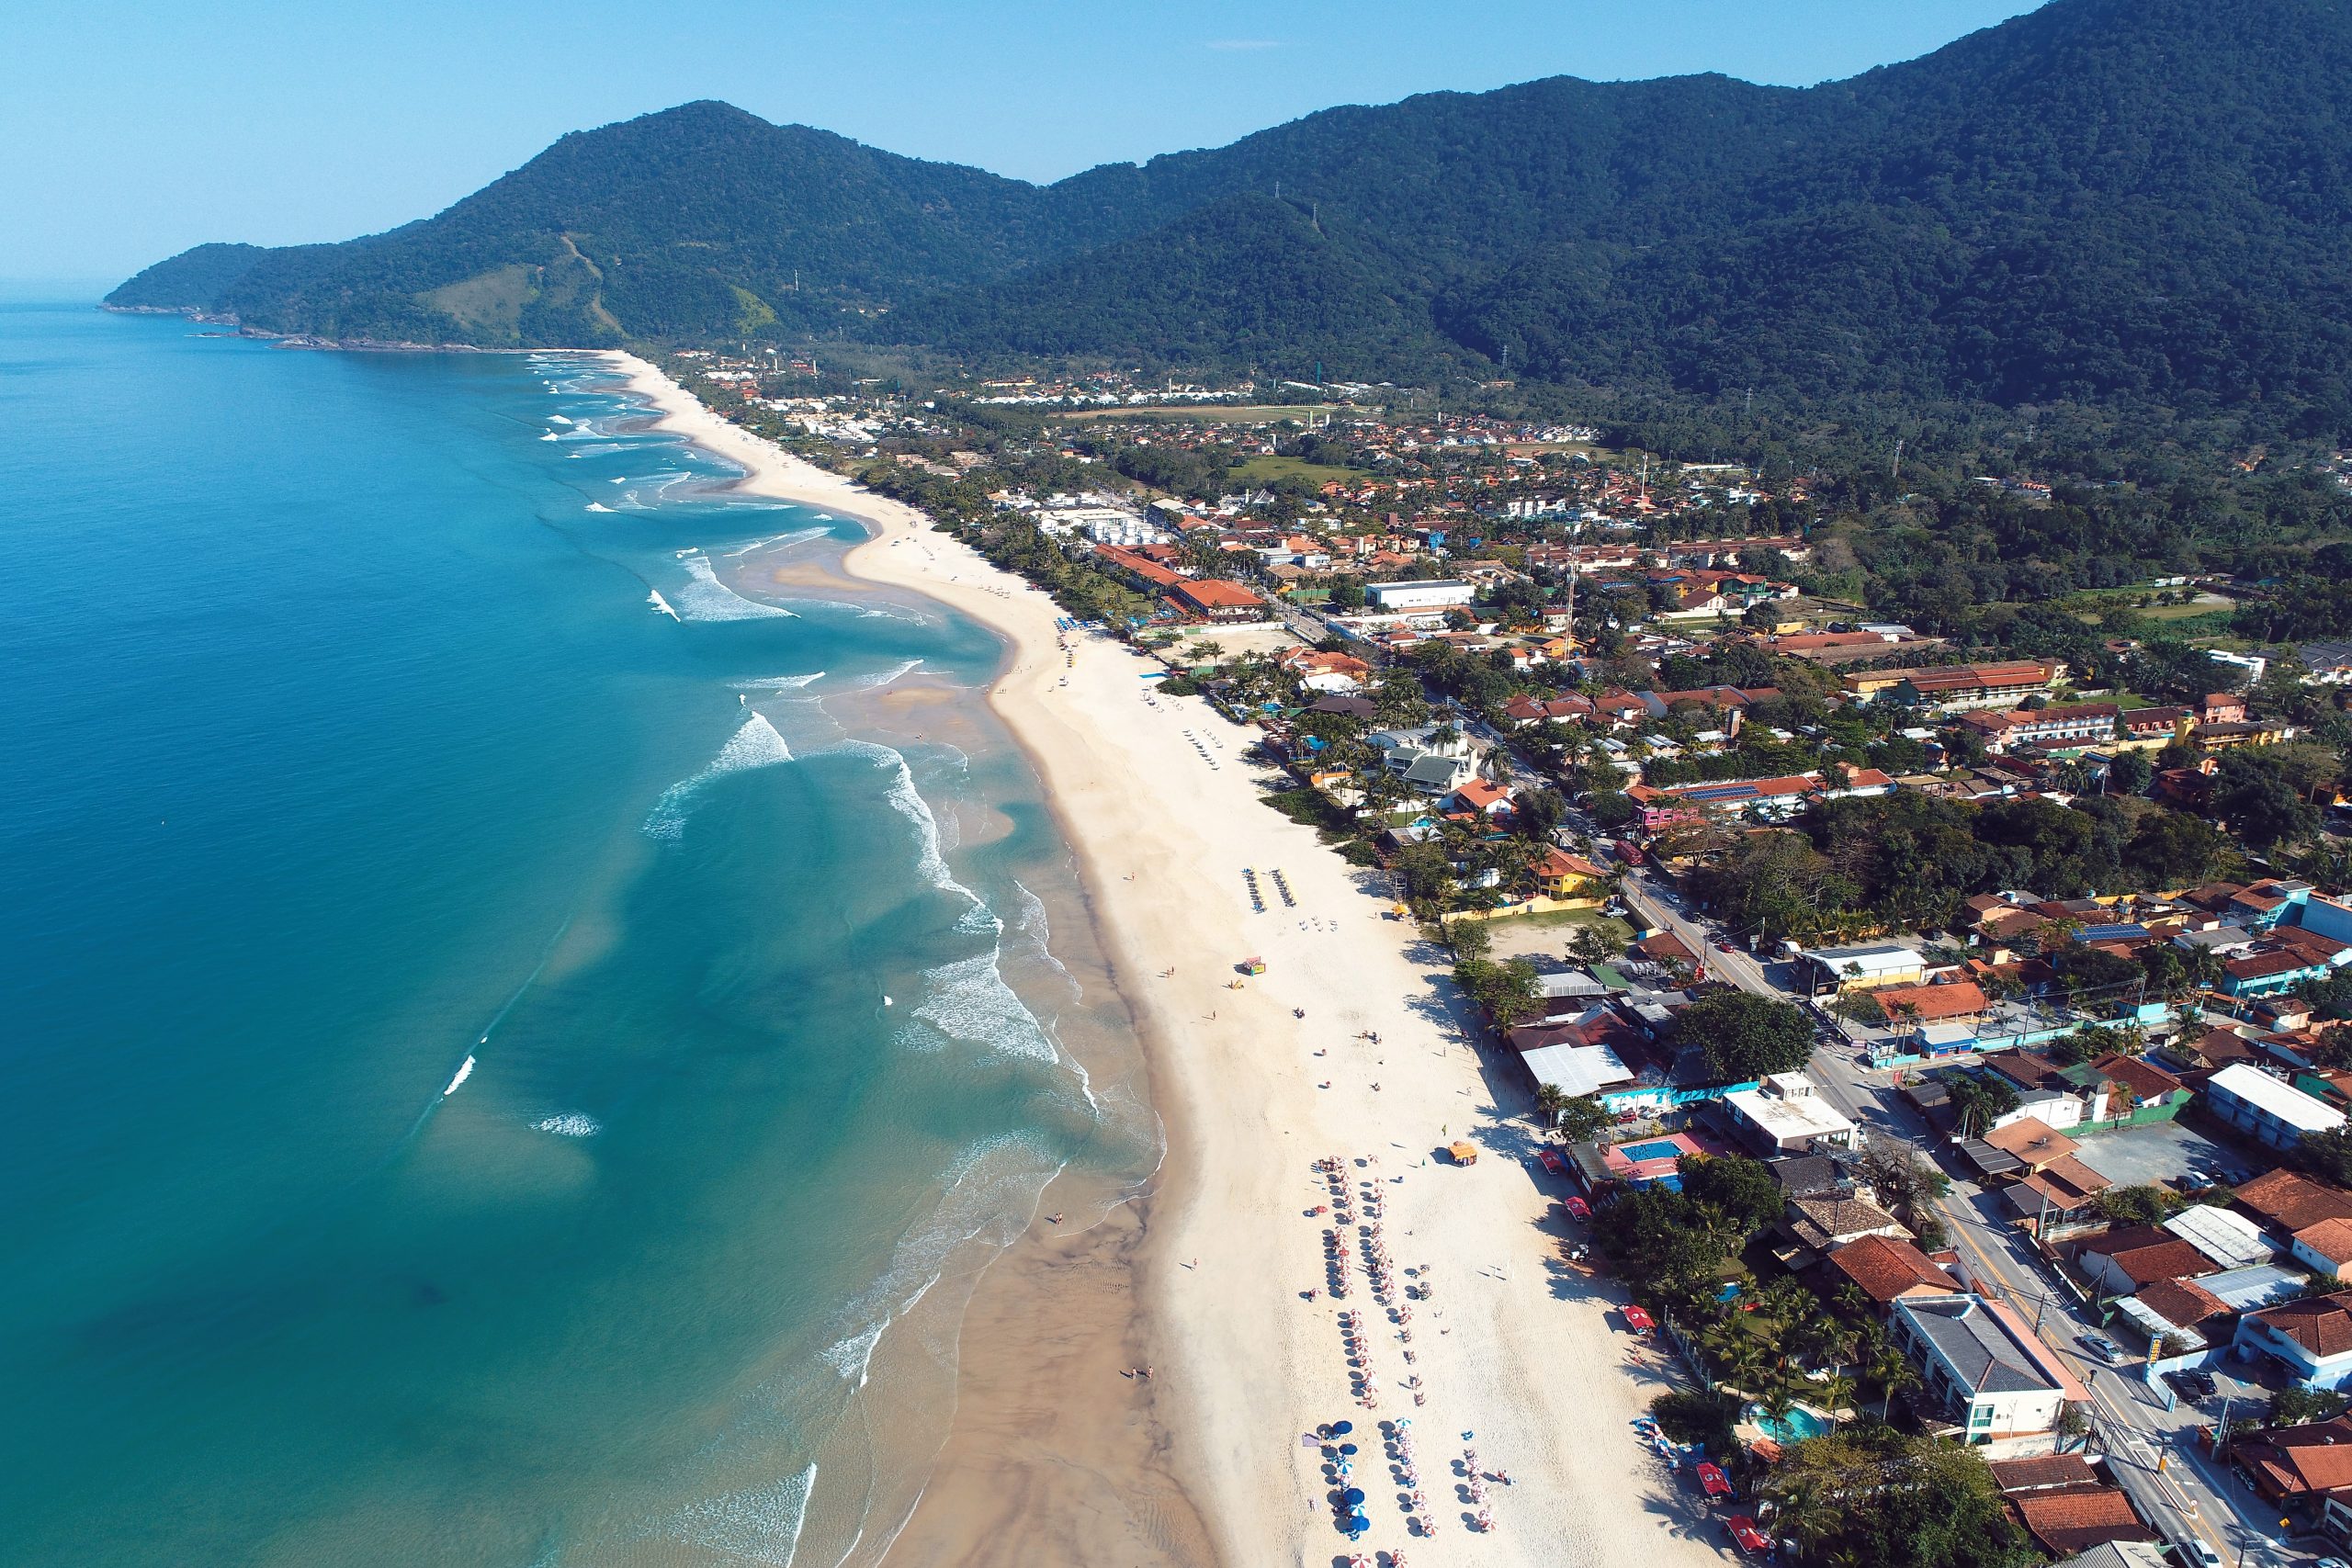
1265,470
1218,413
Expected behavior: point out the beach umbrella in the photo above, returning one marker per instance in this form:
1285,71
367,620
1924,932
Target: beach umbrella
1352,1498
1341,1429
1347,1448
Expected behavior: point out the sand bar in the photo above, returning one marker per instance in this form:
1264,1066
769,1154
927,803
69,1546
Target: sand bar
1155,797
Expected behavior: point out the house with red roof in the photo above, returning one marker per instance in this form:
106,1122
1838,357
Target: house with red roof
1887,1269
1560,874
1483,797
2310,1339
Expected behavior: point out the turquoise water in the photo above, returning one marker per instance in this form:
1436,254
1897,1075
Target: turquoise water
449,1108
1794,1427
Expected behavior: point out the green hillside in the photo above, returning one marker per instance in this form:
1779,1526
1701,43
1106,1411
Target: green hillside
2105,199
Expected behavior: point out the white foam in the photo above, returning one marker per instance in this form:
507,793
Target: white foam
797,536
707,599
551,435
755,745
464,1072
889,677
569,1125
598,506
558,419
976,1202
908,803
653,597
851,1356
780,682
970,1003
1031,922
757,1525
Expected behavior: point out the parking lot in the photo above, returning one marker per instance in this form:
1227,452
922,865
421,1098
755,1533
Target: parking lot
2161,1153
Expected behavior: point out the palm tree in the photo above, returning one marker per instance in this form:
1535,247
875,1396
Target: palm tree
1744,1362
1550,1101
1835,1393
1892,1371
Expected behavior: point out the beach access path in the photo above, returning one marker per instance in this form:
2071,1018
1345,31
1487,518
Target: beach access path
1516,1345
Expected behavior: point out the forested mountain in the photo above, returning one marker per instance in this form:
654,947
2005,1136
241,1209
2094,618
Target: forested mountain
2137,199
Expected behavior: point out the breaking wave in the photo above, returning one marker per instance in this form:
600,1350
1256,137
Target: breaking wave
756,1525
796,536
755,745
569,1125
705,598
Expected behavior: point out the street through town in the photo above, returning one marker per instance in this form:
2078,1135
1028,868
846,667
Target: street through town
2151,1449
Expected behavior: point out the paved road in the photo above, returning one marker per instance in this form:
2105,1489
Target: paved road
2188,1499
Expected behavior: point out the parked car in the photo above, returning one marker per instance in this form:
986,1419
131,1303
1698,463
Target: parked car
1725,947
2192,1385
2100,1344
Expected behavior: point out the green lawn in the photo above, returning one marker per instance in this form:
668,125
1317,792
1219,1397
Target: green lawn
1212,414
1265,470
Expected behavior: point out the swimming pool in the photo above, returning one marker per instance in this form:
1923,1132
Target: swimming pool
1657,1148
1802,1422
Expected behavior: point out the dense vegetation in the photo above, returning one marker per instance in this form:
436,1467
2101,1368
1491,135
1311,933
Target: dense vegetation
2130,202
1909,859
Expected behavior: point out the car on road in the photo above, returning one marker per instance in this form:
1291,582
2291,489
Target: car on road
1725,947
2192,1385
2100,1344
2202,1555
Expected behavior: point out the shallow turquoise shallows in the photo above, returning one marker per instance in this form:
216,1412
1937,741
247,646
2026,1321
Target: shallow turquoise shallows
487,1043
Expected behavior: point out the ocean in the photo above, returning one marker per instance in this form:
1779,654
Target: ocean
528,997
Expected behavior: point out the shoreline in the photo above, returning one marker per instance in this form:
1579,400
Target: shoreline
1354,1044
1031,1474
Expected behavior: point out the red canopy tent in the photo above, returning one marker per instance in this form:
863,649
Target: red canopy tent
1714,1481
1578,1208
1638,1321
1747,1537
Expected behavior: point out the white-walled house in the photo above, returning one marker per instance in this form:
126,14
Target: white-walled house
2004,1388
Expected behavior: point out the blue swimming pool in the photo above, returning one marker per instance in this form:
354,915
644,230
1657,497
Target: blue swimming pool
1800,1423
1657,1148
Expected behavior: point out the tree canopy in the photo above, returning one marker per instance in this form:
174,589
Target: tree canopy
1747,1036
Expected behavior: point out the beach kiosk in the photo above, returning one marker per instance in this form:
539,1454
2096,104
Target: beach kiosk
1462,1152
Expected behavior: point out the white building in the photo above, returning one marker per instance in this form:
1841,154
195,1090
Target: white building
2004,1388
1788,1115
1388,597
1862,968
2253,664
2271,1111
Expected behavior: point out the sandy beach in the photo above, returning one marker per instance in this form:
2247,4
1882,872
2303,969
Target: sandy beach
1059,1453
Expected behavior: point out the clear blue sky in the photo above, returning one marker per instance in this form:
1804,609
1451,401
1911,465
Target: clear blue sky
134,130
